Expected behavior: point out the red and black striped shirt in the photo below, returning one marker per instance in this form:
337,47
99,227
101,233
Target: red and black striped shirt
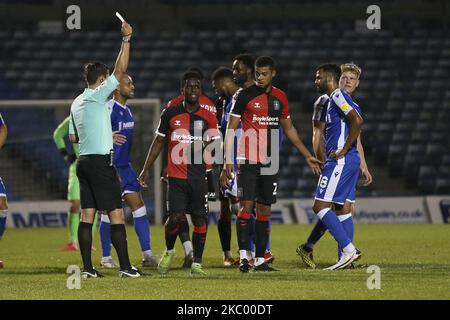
186,132
260,113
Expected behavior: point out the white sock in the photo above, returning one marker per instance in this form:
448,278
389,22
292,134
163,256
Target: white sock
349,248
141,212
187,245
105,218
259,261
195,264
170,251
344,217
250,255
147,253
243,254
227,254
106,258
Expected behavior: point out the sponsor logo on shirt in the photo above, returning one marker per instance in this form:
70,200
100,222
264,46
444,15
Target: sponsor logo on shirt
345,107
185,138
265,120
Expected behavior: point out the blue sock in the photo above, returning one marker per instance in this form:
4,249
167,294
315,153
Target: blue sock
105,235
333,224
142,228
347,223
317,232
252,232
268,239
2,223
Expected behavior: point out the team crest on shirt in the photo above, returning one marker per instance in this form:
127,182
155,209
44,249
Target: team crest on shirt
178,123
257,105
276,105
198,124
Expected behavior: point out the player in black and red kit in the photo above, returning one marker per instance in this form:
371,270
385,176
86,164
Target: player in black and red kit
261,109
187,128
207,104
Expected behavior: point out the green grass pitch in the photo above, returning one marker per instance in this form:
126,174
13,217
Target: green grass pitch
414,262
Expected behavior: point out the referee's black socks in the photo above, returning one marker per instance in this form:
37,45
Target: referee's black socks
85,244
119,241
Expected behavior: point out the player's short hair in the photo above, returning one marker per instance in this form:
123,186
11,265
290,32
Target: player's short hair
93,70
222,73
331,68
198,70
247,59
351,67
189,75
265,61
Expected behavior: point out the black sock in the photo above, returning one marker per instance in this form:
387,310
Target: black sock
242,228
224,227
211,183
183,230
119,241
85,244
198,242
262,235
171,230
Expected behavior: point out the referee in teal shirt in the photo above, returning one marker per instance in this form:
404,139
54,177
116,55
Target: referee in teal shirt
90,125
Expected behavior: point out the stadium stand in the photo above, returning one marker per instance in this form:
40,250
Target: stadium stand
404,93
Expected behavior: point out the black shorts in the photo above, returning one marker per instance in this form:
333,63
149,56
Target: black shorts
253,186
187,196
99,183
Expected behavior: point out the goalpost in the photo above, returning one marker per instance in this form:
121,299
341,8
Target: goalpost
32,168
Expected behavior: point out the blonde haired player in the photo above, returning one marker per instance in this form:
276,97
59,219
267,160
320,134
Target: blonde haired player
348,81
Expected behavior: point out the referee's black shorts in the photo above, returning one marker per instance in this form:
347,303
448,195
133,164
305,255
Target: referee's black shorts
99,183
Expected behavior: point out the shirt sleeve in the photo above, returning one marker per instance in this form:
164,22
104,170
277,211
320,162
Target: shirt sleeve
238,105
285,107
59,133
71,125
103,91
163,126
213,128
320,108
113,116
343,101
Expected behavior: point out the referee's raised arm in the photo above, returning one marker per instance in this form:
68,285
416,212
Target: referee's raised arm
124,53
